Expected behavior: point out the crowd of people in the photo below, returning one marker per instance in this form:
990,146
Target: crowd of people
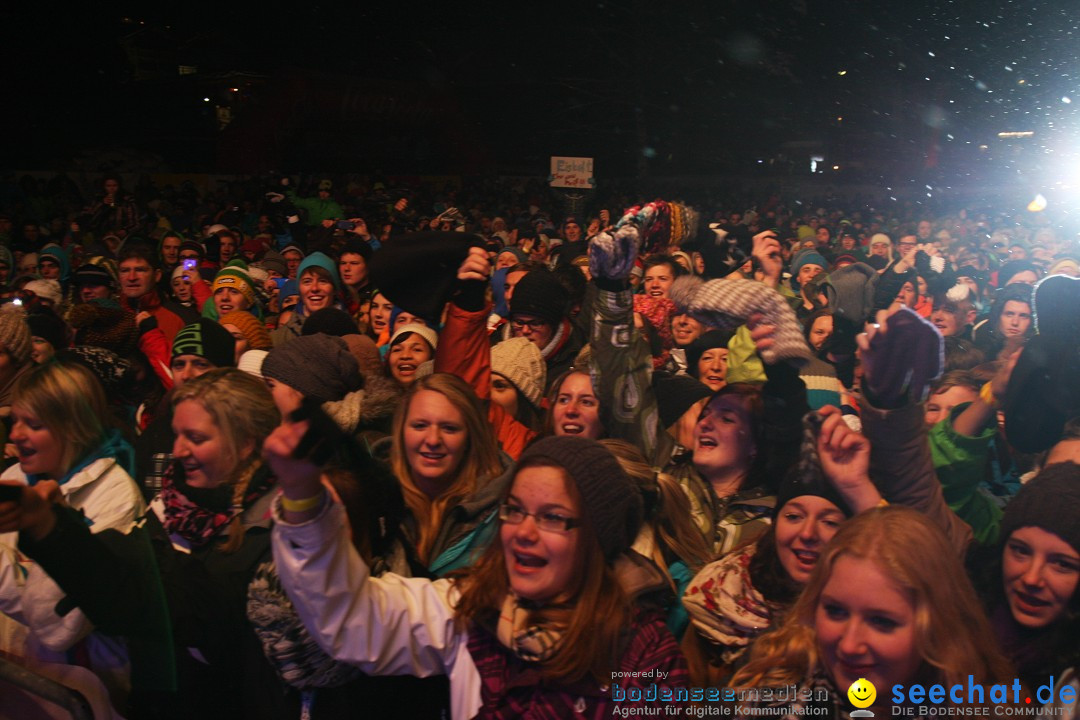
282,451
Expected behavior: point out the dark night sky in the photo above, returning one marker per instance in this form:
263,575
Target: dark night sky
692,86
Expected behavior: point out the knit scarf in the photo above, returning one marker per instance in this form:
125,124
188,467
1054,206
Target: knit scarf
531,643
198,514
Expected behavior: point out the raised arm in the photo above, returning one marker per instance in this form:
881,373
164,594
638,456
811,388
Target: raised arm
388,625
621,365
901,355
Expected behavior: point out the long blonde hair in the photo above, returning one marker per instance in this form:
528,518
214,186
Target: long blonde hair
242,407
480,457
952,635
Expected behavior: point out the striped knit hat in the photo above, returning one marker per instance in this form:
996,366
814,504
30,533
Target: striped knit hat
235,277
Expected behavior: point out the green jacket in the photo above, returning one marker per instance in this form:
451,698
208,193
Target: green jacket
960,463
317,209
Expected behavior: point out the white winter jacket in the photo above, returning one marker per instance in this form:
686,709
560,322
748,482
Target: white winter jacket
387,625
110,499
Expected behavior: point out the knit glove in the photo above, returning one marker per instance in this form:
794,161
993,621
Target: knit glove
850,292
726,304
903,361
612,255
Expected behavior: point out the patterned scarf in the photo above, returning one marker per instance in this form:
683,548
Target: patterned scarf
531,643
197,514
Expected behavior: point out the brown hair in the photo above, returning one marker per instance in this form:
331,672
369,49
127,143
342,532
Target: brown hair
667,509
952,636
480,458
593,617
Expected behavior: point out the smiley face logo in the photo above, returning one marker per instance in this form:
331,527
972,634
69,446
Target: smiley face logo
862,693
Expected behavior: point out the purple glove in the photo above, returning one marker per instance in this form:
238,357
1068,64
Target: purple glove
903,361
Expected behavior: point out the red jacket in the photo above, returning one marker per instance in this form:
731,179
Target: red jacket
464,350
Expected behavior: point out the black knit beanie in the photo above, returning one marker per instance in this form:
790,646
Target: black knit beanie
708,341
1051,501
541,294
807,477
332,321
207,339
675,394
609,497
48,327
319,366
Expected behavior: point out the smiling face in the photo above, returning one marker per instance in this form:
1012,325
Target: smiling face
316,290
577,410
658,280
435,440
803,526
685,329
39,451
200,447
712,368
405,357
865,626
723,441
541,564
1040,572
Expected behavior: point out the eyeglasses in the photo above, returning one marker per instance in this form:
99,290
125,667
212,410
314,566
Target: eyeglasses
546,521
535,324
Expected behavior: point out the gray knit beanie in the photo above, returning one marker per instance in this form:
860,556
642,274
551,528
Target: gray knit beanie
319,366
519,361
610,499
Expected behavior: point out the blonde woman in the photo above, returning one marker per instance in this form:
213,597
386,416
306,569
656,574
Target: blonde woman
888,601
59,435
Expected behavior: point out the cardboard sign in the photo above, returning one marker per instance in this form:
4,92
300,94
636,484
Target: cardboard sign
572,172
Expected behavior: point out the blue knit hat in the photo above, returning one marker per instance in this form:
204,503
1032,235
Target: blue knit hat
320,260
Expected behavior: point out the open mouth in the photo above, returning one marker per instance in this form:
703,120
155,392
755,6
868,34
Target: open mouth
1029,602
707,442
806,558
433,457
525,563
406,369
572,428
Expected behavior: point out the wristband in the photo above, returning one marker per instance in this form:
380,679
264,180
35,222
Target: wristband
986,394
302,505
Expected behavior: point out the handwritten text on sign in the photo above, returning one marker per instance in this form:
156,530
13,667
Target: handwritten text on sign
573,172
